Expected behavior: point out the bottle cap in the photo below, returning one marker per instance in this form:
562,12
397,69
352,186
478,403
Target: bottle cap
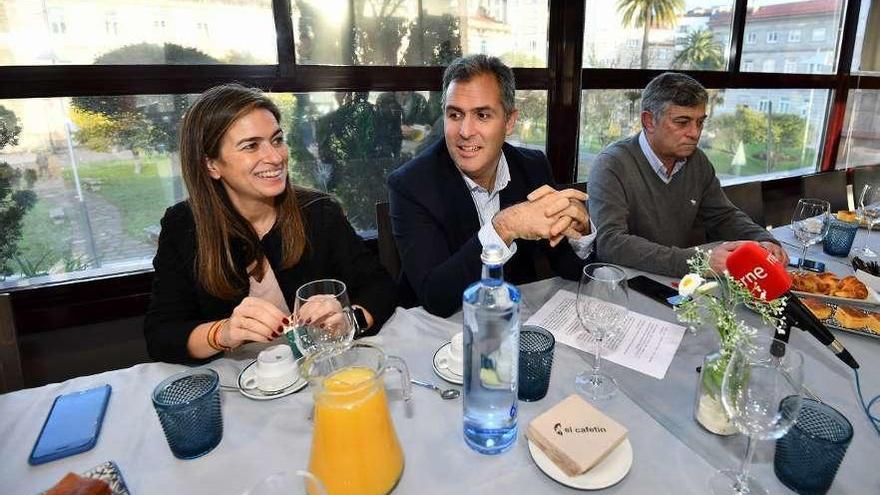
492,255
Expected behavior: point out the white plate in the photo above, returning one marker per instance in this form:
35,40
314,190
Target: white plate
611,470
443,372
258,394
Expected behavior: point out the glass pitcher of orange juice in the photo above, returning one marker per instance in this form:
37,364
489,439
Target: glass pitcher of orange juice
354,446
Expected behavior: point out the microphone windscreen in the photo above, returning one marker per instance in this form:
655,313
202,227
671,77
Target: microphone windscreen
758,270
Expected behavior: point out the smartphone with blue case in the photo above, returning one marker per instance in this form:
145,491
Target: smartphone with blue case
72,426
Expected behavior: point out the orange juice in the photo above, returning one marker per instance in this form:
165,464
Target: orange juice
354,448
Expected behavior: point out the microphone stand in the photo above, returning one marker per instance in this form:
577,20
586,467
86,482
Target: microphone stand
783,332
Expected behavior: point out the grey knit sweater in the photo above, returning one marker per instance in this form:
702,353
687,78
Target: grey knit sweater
647,224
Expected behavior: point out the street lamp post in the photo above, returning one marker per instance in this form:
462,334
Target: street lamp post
84,213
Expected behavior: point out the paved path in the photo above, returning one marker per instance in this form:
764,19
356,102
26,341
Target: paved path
112,243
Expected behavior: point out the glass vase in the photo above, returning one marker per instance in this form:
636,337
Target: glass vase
708,410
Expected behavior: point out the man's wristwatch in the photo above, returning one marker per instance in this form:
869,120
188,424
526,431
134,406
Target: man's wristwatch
360,320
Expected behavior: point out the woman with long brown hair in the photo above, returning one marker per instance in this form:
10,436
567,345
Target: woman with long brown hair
231,257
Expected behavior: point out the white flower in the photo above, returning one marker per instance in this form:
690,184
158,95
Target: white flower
689,283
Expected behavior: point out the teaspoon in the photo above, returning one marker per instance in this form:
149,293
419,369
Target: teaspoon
449,393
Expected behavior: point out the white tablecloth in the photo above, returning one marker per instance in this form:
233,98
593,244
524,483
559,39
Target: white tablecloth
672,453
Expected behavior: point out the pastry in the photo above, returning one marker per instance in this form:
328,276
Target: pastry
847,216
814,283
73,484
851,317
827,283
874,322
818,308
805,282
851,288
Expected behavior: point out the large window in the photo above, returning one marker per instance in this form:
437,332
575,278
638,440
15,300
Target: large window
816,18
101,171
866,57
749,134
860,141
419,32
52,32
671,34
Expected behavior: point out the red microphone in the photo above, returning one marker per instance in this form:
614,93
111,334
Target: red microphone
763,273
759,271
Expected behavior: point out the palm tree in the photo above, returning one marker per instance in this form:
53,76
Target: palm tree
649,14
701,52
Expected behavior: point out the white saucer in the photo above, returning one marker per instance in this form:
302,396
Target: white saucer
443,372
258,394
611,470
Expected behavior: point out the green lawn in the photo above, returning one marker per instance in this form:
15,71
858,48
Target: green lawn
42,239
755,164
141,198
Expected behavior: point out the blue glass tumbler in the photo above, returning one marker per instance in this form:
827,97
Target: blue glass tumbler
535,362
839,239
808,456
188,406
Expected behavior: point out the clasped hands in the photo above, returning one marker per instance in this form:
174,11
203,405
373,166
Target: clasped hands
547,214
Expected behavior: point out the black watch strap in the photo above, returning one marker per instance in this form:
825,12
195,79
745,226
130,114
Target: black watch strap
360,319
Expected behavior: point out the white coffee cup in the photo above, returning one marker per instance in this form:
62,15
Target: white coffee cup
452,360
275,370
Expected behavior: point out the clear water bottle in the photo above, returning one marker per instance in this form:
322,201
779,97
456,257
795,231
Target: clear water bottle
491,355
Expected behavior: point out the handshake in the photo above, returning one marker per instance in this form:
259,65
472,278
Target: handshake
546,214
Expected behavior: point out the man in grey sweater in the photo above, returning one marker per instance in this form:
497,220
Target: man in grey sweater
655,194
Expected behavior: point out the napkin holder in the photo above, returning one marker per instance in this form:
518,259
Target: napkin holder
575,435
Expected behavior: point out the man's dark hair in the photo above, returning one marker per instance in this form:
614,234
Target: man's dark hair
466,68
672,87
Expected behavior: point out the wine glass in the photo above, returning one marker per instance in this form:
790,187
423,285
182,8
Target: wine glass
287,483
869,213
601,308
331,295
810,223
752,392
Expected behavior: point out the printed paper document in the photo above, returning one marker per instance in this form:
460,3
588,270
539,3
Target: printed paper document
644,344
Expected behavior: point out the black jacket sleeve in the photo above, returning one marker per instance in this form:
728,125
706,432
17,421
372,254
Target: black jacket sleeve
437,275
174,307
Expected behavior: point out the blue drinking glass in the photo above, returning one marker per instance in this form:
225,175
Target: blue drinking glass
839,239
808,456
188,406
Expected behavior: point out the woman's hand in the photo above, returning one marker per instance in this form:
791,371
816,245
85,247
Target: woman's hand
254,319
325,312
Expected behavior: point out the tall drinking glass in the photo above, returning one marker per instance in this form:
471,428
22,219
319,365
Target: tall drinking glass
331,297
810,223
601,308
762,395
869,214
